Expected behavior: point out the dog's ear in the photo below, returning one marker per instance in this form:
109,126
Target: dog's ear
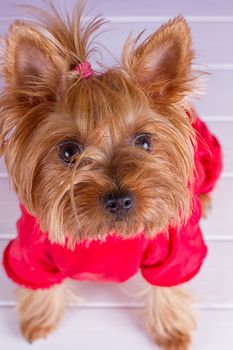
32,64
161,64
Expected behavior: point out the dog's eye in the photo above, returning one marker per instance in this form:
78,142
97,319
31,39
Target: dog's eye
143,141
67,150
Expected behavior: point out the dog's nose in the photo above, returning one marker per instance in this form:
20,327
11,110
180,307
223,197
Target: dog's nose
118,203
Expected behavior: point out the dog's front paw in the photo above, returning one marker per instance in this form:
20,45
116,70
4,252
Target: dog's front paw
177,341
40,311
32,331
170,317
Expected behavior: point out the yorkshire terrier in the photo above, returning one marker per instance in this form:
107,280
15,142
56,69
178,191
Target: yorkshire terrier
113,168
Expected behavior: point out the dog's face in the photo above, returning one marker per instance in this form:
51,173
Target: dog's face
110,153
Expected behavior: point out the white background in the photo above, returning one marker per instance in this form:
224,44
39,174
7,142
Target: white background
109,318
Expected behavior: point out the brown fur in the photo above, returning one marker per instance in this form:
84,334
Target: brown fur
45,102
206,204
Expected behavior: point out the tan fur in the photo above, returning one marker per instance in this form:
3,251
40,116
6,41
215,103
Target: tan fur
44,102
170,317
40,310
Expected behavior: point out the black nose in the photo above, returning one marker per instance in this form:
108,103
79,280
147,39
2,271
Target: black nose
118,203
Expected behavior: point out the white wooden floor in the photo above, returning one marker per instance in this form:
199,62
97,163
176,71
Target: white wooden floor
108,315
91,329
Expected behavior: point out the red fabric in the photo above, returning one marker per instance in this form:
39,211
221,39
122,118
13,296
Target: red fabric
166,260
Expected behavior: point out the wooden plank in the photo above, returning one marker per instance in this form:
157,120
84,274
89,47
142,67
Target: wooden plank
208,39
114,329
218,98
139,8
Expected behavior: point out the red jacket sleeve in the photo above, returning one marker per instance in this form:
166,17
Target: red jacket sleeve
175,257
208,158
27,259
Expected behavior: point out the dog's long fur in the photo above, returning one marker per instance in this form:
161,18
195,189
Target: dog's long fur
40,310
44,102
170,317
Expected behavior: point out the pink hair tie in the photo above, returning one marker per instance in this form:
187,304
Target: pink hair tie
84,69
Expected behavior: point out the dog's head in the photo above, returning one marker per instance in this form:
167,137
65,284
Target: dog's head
112,152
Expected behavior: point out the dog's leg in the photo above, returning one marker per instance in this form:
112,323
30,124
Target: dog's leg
40,310
170,318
